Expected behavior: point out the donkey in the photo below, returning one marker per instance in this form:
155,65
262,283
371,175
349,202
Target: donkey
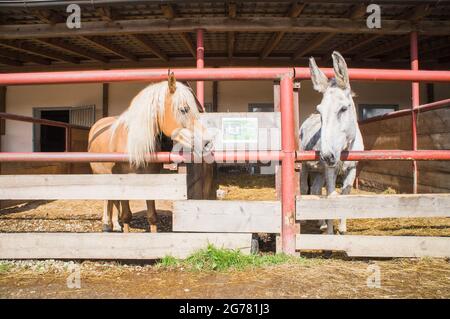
331,130
167,107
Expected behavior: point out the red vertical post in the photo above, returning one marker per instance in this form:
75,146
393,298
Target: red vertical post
287,165
200,65
415,101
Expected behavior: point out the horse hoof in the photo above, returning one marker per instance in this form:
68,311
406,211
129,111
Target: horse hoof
126,228
153,229
323,227
106,228
117,231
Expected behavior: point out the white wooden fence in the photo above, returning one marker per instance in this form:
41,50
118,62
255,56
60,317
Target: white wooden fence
227,224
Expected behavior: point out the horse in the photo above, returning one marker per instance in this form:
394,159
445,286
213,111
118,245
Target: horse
331,130
168,108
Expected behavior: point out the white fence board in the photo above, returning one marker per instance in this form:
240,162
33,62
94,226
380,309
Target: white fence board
373,206
108,186
113,246
377,246
227,216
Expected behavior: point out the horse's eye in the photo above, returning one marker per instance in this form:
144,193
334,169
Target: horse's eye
184,109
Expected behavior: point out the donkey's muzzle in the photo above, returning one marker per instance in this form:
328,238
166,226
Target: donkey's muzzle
329,159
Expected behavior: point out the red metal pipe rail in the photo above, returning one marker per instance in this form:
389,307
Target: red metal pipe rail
237,156
419,109
210,74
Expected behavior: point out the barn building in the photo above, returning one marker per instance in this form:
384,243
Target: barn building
34,37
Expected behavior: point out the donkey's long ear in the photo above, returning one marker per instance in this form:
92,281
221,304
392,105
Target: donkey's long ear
172,83
318,78
340,70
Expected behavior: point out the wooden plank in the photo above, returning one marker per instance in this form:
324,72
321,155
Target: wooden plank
227,216
113,246
313,207
377,246
117,186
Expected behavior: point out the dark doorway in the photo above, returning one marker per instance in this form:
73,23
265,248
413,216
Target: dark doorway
53,139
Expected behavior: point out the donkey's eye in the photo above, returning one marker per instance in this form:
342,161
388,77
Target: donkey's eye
343,109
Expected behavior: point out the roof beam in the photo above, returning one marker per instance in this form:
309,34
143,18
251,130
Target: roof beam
417,13
47,16
231,37
106,14
169,13
358,11
294,12
147,43
111,48
30,48
69,47
384,48
313,44
225,24
188,43
24,57
7,61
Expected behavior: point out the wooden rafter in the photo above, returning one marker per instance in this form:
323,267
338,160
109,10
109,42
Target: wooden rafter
152,47
24,57
388,46
294,12
358,11
31,48
47,16
313,44
111,48
10,62
223,24
106,14
69,47
231,37
169,13
417,13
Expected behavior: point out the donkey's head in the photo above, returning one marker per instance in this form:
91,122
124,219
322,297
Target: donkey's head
337,110
180,119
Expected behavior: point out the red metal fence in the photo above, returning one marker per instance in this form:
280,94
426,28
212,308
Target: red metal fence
288,155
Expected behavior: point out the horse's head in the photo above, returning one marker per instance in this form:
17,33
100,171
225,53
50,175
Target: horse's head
337,110
180,120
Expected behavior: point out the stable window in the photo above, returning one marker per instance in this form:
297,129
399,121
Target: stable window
260,107
53,139
366,111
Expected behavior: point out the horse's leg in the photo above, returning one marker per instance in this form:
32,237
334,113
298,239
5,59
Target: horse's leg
330,179
316,189
151,216
346,189
126,215
106,219
115,216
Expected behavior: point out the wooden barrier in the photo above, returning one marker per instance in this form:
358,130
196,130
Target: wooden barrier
265,216
117,186
377,246
114,246
227,216
373,206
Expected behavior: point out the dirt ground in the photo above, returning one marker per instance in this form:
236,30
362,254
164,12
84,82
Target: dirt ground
314,277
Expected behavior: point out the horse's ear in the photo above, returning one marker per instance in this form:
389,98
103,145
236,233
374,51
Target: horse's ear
340,70
318,78
172,83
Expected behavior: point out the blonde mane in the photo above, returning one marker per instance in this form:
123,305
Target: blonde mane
146,110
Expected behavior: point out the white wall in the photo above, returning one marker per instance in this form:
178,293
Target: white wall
22,99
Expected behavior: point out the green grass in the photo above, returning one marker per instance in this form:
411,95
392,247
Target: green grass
4,267
219,259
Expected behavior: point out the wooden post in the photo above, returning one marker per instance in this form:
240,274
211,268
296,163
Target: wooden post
2,122
105,99
415,99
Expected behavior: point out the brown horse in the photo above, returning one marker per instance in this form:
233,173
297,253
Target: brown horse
167,107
